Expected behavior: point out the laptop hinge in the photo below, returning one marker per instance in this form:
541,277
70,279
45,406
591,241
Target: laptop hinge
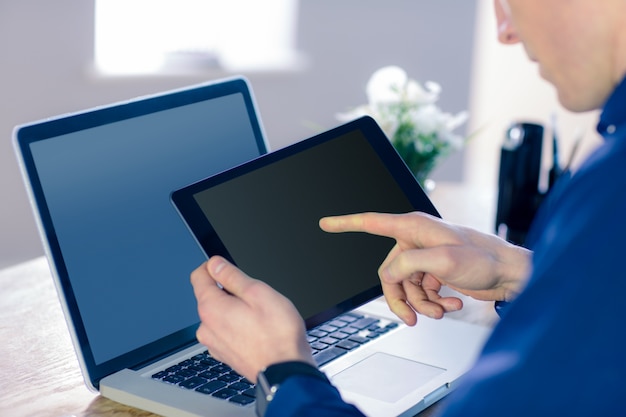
163,355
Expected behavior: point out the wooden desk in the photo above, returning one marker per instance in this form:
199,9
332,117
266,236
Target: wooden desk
39,371
40,375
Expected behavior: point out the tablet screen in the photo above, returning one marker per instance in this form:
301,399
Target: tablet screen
264,216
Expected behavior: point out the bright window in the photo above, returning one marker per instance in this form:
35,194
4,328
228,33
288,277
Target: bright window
160,36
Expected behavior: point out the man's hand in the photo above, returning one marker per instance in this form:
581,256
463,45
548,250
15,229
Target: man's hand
430,253
247,324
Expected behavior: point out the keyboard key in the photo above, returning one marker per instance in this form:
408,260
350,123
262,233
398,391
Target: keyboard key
199,357
193,383
364,322
195,368
349,330
347,344
317,333
160,375
225,393
209,375
174,379
229,378
339,335
329,340
327,328
328,355
211,387
186,373
186,362
240,386
210,362
251,392
359,339
222,369
241,399
319,345
338,323
173,369
349,318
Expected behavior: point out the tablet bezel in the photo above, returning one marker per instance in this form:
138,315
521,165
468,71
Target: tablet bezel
204,234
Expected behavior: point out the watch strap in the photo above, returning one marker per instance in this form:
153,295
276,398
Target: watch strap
270,379
275,374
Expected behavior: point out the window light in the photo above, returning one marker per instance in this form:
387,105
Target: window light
153,36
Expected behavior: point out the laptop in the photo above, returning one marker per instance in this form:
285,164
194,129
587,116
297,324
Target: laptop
263,216
99,182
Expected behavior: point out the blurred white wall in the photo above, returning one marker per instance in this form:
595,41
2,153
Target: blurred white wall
506,87
46,51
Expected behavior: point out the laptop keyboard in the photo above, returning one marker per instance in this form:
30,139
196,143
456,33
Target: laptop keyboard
343,334
209,376
328,341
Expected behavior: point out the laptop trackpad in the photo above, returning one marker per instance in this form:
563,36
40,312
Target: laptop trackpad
385,377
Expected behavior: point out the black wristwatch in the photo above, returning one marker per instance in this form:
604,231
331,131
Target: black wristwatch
269,380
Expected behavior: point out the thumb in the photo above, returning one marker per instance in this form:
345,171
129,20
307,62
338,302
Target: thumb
228,276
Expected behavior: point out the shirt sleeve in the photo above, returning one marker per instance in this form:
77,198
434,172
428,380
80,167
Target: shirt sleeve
559,347
303,396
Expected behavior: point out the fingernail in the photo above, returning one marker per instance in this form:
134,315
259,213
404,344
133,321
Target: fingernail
217,265
385,275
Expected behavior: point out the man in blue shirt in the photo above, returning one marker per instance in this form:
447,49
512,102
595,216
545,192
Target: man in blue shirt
560,346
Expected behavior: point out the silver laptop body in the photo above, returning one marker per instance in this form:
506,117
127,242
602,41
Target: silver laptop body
99,183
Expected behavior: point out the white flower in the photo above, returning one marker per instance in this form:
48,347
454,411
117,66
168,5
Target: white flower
385,85
408,114
392,85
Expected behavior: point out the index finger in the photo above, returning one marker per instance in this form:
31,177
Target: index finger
375,223
398,226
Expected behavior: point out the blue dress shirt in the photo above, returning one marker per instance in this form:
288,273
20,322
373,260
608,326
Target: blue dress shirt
560,347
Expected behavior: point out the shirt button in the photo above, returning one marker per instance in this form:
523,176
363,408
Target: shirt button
611,129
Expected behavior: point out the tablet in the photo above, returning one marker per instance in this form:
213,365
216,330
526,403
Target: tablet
264,216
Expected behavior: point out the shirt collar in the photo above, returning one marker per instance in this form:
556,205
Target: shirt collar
613,118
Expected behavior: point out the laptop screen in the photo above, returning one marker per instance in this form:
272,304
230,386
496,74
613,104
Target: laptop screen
102,182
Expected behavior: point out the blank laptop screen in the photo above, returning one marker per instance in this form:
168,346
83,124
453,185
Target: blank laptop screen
107,191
